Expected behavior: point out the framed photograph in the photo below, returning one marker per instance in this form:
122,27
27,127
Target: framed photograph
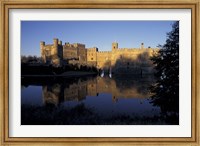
105,72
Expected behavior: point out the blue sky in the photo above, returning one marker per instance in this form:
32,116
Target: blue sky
101,34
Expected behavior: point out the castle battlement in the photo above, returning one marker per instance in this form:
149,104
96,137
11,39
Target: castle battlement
48,45
74,45
92,49
57,53
104,52
79,45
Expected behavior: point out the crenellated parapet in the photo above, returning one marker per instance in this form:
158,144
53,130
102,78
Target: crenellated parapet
124,58
101,52
79,45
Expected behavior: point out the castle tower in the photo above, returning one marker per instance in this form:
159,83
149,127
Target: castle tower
56,52
42,44
55,47
114,46
142,45
92,56
59,42
55,42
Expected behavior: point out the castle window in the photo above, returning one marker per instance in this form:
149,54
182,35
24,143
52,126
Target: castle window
91,58
121,56
127,63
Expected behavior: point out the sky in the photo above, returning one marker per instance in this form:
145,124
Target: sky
100,34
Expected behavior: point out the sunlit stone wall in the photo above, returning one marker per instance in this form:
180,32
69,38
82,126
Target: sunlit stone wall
118,60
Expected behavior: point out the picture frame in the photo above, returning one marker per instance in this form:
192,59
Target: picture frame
110,4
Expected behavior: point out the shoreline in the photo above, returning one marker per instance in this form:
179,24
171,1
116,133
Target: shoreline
65,74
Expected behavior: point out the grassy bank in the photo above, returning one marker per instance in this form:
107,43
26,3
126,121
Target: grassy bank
82,115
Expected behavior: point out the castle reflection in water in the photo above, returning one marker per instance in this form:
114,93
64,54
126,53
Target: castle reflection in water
79,89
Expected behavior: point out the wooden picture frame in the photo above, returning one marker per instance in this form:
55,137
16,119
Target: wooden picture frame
45,4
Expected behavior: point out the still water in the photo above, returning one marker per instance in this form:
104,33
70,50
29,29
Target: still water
89,101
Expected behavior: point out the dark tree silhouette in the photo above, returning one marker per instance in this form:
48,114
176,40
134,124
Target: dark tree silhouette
30,59
166,90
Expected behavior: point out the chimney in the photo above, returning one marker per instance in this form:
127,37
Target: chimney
60,42
142,45
42,43
55,42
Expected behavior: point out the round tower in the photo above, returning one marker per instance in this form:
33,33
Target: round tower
55,46
114,46
142,45
42,44
60,42
55,42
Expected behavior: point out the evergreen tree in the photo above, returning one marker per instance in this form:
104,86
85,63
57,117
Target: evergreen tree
166,61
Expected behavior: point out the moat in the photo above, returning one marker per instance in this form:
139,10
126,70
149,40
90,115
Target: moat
94,100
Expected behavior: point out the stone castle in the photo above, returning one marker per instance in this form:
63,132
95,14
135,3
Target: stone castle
118,59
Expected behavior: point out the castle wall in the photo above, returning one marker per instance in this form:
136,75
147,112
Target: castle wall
48,50
124,60
132,60
82,53
70,52
92,56
104,60
77,53
53,53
